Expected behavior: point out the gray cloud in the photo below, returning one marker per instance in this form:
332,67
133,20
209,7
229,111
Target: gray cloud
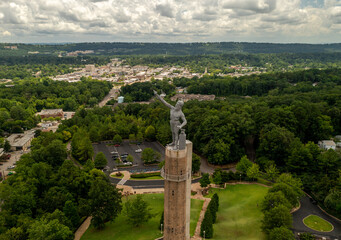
259,6
165,10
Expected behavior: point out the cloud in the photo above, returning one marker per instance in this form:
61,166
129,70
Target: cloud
170,20
260,6
165,10
6,33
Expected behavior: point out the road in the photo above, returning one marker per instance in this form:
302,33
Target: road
113,93
15,156
307,208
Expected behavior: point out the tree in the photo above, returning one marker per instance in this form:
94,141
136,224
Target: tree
117,139
148,155
206,229
205,180
294,183
307,236
130,158
195,163
137,211
281,233
100,160
81,146
288,192
7,146
253,171
104,201
244,164
70,211
150,133
274,199
276,217
217,176
271,172
43,229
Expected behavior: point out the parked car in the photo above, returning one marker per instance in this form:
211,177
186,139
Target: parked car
127,163
113,152
117,145
138,150
10,167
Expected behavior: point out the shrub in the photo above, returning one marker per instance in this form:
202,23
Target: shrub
207,225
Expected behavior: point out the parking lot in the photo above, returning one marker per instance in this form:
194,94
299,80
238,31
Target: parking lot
125,147
6,166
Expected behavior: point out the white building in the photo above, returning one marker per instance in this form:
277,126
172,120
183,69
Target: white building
20,141
327,144
90,68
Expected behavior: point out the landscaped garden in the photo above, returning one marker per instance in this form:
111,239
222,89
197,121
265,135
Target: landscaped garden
239,216
121,229
318,224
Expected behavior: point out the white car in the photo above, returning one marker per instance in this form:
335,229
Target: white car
10,167
138,150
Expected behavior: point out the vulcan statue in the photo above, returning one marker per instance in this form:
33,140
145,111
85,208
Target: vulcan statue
175,115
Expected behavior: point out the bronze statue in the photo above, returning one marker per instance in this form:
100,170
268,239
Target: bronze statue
175,115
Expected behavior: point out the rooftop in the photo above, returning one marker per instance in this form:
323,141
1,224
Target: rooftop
20,139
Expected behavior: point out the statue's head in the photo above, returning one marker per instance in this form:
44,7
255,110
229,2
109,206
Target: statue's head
179,104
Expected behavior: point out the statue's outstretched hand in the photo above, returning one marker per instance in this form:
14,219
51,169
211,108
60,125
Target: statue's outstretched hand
179,127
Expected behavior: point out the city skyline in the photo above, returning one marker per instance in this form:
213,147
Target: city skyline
278,21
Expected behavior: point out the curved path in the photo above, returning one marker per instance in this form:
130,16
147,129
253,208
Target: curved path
307,208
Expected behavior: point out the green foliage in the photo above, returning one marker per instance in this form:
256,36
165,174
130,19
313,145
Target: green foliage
276,217
144,175
333,201
100,160
150,133
306,236
137,211
287,191
117,139
7,146
195,163
217,176
271,172
43,229
150,156
253,171
70,211
81,146
274,199
206,229
205,180
244,164
104,201
281,233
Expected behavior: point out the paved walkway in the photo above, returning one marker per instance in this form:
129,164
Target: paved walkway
307,208
202,214
82,229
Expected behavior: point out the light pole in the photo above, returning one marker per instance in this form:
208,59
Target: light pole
240,177
161,228
204,234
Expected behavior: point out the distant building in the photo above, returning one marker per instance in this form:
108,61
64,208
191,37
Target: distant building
20,141
90,68
188,97
46,113
327,144
120,99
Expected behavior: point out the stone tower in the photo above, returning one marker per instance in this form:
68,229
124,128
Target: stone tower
177,202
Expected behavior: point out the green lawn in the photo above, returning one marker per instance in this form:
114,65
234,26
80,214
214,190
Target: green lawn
239,217
316,223
120,229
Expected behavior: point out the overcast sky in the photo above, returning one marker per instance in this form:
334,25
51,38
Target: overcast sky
45,21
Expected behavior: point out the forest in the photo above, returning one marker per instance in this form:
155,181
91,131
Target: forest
280,127
141,48
18,104
48,197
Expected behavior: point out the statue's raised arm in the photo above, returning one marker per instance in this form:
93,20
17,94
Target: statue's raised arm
175,115
162,100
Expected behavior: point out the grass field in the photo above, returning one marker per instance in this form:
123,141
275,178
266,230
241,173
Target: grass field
120,229
316,223
239,216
